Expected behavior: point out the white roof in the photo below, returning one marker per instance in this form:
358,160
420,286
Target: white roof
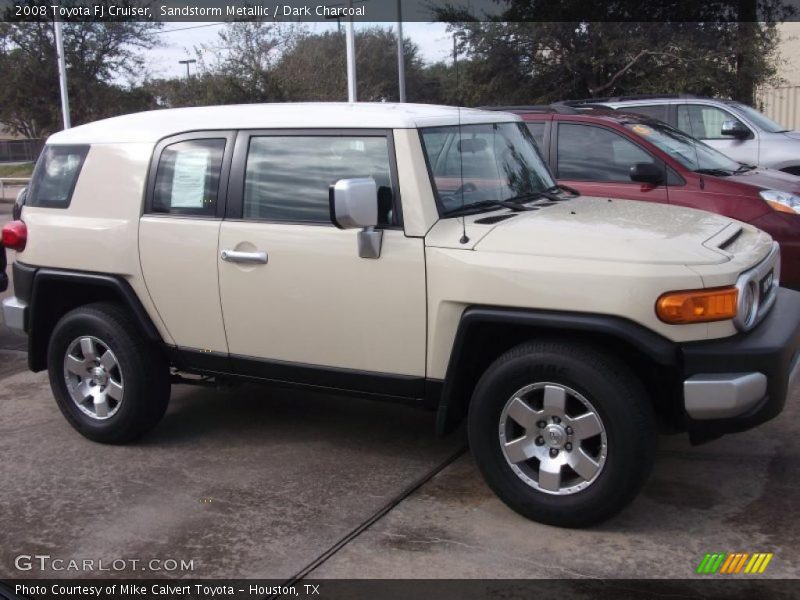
153,125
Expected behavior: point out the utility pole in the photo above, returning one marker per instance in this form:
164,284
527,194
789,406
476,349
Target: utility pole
351,57
401,60
62,73
187,62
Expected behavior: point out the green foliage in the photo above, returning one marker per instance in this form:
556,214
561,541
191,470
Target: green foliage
97,56
16,170
315,68
538,51
500,62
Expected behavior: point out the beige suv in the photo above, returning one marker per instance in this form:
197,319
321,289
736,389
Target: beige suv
399,252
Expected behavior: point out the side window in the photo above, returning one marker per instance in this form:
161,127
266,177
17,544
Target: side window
654,111
55,176
287,178
187,178
537,131
588,153
703,122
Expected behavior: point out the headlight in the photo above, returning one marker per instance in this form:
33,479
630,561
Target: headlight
782,201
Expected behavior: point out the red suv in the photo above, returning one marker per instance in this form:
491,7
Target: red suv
610,153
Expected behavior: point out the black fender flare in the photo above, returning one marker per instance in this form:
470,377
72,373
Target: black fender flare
31,283
452,401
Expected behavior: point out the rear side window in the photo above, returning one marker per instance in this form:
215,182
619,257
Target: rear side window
187,179
55,176
287,178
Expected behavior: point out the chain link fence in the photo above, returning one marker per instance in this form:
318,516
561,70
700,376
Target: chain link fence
20,150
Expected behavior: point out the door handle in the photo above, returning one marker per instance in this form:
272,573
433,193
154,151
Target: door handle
244,257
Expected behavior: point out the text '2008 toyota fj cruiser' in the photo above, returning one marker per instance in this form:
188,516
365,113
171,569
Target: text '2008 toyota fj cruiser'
408,252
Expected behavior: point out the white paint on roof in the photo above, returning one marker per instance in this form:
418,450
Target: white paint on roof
154,125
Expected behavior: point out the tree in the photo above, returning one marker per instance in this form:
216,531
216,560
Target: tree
239,68
97,55
523,55
315,68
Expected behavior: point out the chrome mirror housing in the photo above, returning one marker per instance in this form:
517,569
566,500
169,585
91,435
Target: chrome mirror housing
353,205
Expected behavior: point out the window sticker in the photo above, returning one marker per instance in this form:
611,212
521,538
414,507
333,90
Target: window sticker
189,179
642,130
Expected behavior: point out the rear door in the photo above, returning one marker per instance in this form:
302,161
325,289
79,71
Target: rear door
305,307
178,233
596,160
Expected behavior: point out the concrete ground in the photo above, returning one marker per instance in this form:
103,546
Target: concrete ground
263,483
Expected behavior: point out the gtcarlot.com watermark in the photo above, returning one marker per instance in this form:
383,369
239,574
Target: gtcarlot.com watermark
47,563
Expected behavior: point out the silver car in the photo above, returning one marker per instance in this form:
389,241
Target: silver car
738,130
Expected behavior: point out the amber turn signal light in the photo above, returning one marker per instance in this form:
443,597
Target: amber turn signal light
781,207
698,306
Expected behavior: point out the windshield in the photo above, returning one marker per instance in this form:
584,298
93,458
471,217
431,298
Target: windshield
690,152
759,120
475,164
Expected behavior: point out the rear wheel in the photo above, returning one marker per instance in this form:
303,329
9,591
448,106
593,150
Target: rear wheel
108,380
562,433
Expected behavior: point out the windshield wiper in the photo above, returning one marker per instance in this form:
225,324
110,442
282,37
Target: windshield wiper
530,197
477,207
745,168
563,188
717,172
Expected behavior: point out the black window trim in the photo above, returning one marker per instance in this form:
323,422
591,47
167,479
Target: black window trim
226,134
545,135
557,127
82,149
235,204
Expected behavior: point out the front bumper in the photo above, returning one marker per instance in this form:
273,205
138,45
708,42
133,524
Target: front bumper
734,384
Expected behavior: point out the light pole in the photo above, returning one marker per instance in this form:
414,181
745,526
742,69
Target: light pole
350,40
62,73
401,61
187,62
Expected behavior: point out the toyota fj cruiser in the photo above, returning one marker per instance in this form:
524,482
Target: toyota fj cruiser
407,252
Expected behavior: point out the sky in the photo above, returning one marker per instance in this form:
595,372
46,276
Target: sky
179,40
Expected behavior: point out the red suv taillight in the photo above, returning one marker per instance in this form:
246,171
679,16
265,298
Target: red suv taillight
15,234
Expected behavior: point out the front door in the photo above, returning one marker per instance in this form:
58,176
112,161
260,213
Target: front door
298,302
597,162
704,122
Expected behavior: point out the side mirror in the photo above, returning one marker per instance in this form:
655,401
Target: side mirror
16,212
735,129
354,205
647,173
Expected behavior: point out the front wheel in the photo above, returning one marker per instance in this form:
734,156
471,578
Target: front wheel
562,433
108,380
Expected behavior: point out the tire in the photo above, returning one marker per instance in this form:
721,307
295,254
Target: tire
619,439
123,379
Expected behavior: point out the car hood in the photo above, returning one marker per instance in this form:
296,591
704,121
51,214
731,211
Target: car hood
793,134
769,179
624,231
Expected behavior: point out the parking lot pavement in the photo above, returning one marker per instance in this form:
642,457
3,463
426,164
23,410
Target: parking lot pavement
737,494
260,483
252,483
